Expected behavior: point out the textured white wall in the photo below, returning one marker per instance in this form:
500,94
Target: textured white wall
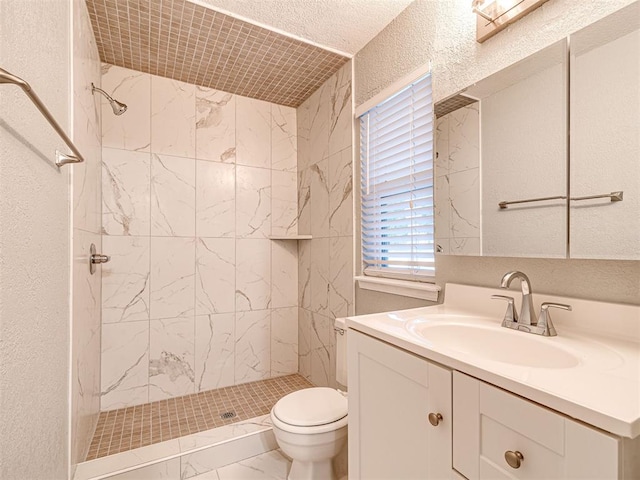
444,32
34,244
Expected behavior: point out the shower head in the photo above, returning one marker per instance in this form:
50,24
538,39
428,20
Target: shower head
118,107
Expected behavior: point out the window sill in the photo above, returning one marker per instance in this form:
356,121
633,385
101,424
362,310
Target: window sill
424,291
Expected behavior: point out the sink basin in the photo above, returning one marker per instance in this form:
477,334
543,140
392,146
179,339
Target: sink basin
495,343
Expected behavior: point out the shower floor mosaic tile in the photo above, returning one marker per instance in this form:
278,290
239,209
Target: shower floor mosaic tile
133,427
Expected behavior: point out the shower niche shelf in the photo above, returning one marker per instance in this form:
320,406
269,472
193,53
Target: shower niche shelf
290,237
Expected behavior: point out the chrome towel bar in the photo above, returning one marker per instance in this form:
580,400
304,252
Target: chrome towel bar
614,196
61,158
503,205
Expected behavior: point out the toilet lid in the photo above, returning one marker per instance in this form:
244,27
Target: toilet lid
311,407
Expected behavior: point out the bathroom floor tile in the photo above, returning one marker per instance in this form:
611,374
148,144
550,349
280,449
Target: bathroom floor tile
271,465
134,427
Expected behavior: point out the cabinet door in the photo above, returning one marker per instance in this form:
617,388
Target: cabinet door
391,393
490,422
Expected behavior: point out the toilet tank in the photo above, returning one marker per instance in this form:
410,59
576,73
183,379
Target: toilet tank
341,351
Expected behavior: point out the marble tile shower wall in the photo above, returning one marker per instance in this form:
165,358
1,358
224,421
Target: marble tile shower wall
196,296
85,192
458,182
325,208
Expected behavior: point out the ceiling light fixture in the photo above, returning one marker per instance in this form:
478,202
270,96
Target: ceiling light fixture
496,15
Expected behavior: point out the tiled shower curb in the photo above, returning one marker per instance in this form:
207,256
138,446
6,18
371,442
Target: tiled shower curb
185,457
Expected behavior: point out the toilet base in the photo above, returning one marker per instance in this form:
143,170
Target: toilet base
322,470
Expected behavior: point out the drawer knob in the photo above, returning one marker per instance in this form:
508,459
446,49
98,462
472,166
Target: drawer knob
435,419
514,459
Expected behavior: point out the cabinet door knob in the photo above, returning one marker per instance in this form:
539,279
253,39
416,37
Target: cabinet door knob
435,419
514,459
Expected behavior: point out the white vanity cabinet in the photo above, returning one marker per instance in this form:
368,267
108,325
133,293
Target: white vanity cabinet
394,395
391,394
566,407
542,444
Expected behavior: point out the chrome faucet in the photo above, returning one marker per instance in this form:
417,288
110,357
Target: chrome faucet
526,321
526,316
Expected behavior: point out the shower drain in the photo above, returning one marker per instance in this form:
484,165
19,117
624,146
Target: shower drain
226,415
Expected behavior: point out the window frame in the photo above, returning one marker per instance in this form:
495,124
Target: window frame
379,273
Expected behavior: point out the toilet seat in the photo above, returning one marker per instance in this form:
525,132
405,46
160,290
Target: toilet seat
311,410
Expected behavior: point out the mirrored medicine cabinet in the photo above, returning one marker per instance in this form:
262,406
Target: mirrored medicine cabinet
542,159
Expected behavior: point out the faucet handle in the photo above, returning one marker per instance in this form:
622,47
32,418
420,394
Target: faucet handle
544,320
510,315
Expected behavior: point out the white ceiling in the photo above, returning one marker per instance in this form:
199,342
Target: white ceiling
343,25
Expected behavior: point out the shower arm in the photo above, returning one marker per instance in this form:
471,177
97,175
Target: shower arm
118,107
109,97
61,158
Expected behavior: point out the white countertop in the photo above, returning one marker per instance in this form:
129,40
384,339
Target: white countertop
601,389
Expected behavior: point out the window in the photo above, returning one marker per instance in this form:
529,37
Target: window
396,155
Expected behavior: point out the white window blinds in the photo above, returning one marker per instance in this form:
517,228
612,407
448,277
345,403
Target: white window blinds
396,154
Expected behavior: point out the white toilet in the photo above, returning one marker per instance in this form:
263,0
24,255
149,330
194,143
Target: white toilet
310,425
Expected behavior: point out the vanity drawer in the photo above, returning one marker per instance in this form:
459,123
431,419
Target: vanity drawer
490,422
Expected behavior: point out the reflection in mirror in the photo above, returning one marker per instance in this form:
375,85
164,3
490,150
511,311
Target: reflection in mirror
509,145
605,137
457,193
